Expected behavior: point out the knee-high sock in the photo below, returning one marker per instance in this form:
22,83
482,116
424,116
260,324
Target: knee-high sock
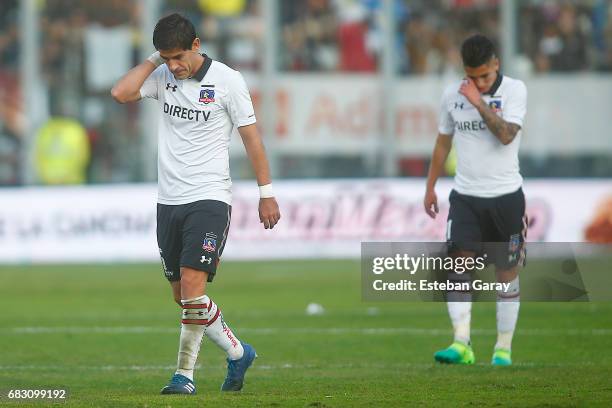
219,332
460,314
460,309
193,323
508,304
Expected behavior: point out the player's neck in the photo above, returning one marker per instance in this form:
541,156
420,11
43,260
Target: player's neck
196,67
496,83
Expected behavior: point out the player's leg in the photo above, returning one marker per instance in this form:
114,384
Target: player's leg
204,237
459,305
507,310
463,235
190,291
169,239
176,292
511,223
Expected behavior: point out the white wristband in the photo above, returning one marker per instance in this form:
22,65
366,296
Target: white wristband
266,191
156,59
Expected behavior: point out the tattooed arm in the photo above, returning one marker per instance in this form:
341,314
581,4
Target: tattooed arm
504,131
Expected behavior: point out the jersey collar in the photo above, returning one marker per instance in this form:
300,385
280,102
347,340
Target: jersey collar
200,73
496,84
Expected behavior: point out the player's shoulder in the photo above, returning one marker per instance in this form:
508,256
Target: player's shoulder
161,73
224,72
512,85
452,89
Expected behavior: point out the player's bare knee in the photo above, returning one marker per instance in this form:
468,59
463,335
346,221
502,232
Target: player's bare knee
176,292
193,282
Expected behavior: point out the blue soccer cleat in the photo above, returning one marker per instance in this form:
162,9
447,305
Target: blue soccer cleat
236,369
179,384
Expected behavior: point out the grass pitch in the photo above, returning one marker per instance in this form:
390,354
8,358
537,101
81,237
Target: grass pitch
110,335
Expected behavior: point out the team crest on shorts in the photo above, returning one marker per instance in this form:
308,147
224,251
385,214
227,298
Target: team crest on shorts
515,242
209,244
207,96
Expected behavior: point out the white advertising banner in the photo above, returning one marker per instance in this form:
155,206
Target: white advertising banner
320,219
343,114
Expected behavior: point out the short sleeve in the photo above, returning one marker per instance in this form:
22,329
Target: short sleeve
446,125
151,85
516,104
239,104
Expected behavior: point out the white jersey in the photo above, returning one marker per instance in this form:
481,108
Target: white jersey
198,116
485,167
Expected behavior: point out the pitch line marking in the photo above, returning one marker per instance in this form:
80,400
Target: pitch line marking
269,367
298,330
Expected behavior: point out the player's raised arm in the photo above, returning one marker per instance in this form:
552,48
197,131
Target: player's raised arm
436,169
127,89
503,130
269,213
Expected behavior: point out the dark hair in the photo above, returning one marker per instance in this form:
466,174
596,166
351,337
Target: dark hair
173,31
477,50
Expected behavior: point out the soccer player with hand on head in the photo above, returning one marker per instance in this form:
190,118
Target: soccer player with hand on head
200,101
482,116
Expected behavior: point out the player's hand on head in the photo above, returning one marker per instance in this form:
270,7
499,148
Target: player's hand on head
431,203
269,213
470,91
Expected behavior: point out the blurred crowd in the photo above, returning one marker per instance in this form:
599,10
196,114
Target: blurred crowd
314,36
345,35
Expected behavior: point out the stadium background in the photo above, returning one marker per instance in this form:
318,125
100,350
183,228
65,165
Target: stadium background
346,93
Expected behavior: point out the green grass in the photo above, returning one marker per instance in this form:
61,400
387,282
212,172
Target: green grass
80,315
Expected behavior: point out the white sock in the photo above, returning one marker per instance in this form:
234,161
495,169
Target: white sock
219,332
460,314
508,304
192,331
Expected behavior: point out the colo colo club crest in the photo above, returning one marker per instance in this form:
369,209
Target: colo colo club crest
207,96
209,244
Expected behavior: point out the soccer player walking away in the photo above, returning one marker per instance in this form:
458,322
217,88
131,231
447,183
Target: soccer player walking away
482,115
200,102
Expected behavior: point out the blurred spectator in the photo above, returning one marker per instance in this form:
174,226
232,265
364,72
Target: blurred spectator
11,117
352,37
602,34
111,135
309,35
566,36
563,46
62,152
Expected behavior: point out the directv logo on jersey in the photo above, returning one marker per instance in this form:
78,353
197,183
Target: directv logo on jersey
207,96
471,125
185,113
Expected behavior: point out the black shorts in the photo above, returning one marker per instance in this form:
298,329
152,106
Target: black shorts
495,226
192,235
